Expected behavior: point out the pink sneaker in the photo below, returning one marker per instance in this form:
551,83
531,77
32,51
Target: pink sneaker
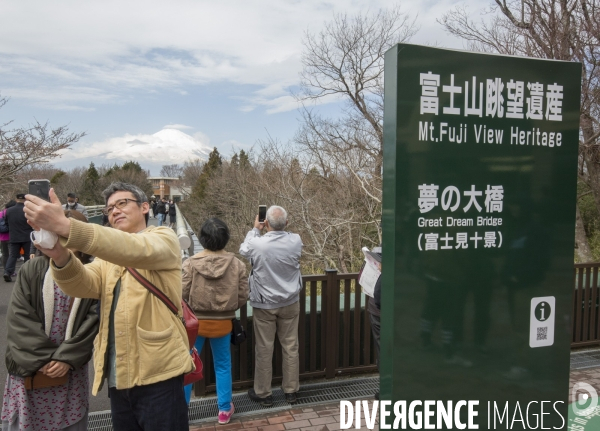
225,417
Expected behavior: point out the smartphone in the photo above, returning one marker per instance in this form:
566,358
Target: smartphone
40,188
262,213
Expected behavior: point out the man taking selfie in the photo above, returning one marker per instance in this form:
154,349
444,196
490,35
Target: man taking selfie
141,350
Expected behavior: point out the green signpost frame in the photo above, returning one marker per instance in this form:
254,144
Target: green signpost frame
479,192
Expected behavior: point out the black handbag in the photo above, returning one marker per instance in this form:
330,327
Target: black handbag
238,335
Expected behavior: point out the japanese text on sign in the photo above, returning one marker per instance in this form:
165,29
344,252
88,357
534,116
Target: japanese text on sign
450,200
531,100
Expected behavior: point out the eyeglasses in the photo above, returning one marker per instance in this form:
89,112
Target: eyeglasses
120,204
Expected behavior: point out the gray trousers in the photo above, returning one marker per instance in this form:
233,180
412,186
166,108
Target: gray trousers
283,322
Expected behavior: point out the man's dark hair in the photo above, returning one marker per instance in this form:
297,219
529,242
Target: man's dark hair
71,195
137,193
214,234
10,203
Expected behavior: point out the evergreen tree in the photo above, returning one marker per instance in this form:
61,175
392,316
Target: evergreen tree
57,176
235,160
90,195
132,166
244,160
210,168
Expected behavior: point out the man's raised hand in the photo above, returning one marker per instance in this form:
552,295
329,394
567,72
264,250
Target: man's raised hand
46,215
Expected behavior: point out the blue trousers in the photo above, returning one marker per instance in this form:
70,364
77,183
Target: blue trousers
222,363
161,218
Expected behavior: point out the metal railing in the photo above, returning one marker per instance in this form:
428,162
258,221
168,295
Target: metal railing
334,335
94,213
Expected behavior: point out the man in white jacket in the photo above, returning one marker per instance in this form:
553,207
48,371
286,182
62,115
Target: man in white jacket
275,284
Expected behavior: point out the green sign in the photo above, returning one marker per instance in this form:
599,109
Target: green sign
478,217
583,419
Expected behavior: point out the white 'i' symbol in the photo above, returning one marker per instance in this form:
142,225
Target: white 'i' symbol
542,310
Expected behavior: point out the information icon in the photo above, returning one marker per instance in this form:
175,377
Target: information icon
541,322
543,311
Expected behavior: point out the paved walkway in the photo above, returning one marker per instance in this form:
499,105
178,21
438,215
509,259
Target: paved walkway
591,376
326,417
318,418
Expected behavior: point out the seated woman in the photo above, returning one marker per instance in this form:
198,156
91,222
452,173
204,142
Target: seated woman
215,283
49,336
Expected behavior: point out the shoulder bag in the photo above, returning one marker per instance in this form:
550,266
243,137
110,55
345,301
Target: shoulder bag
238,334
189,320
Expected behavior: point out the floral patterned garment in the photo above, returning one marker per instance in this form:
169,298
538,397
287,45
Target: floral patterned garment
54,408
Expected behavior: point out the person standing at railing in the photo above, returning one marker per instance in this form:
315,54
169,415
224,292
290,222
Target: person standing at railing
275,283
172,212
374,308
215,283
73,204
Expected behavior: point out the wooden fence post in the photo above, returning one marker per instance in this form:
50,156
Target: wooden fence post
331,320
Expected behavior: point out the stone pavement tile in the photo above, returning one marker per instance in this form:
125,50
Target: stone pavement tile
297,424
255,423
237,425
297,411
333,427
315,428
322,421
281,419
275,414
276,427
307,410
329,412
202,427
310,415
325,407
250,429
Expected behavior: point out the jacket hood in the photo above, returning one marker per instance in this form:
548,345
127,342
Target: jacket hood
211,265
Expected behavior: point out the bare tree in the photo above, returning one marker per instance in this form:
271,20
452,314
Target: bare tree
345,61
172,171
555,29
32,145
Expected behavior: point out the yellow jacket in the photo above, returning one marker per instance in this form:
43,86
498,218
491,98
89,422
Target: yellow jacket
150,341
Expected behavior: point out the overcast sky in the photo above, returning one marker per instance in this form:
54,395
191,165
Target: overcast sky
163,81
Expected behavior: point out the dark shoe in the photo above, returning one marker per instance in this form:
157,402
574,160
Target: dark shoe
266,401
7,278
291,397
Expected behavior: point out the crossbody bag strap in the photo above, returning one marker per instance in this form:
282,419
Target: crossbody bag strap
154,290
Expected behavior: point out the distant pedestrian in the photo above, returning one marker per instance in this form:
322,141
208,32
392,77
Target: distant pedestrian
275,284
172,212
161,211
215,283
4,237
19,233
73,204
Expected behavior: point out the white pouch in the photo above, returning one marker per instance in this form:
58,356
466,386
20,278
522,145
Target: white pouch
43,238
